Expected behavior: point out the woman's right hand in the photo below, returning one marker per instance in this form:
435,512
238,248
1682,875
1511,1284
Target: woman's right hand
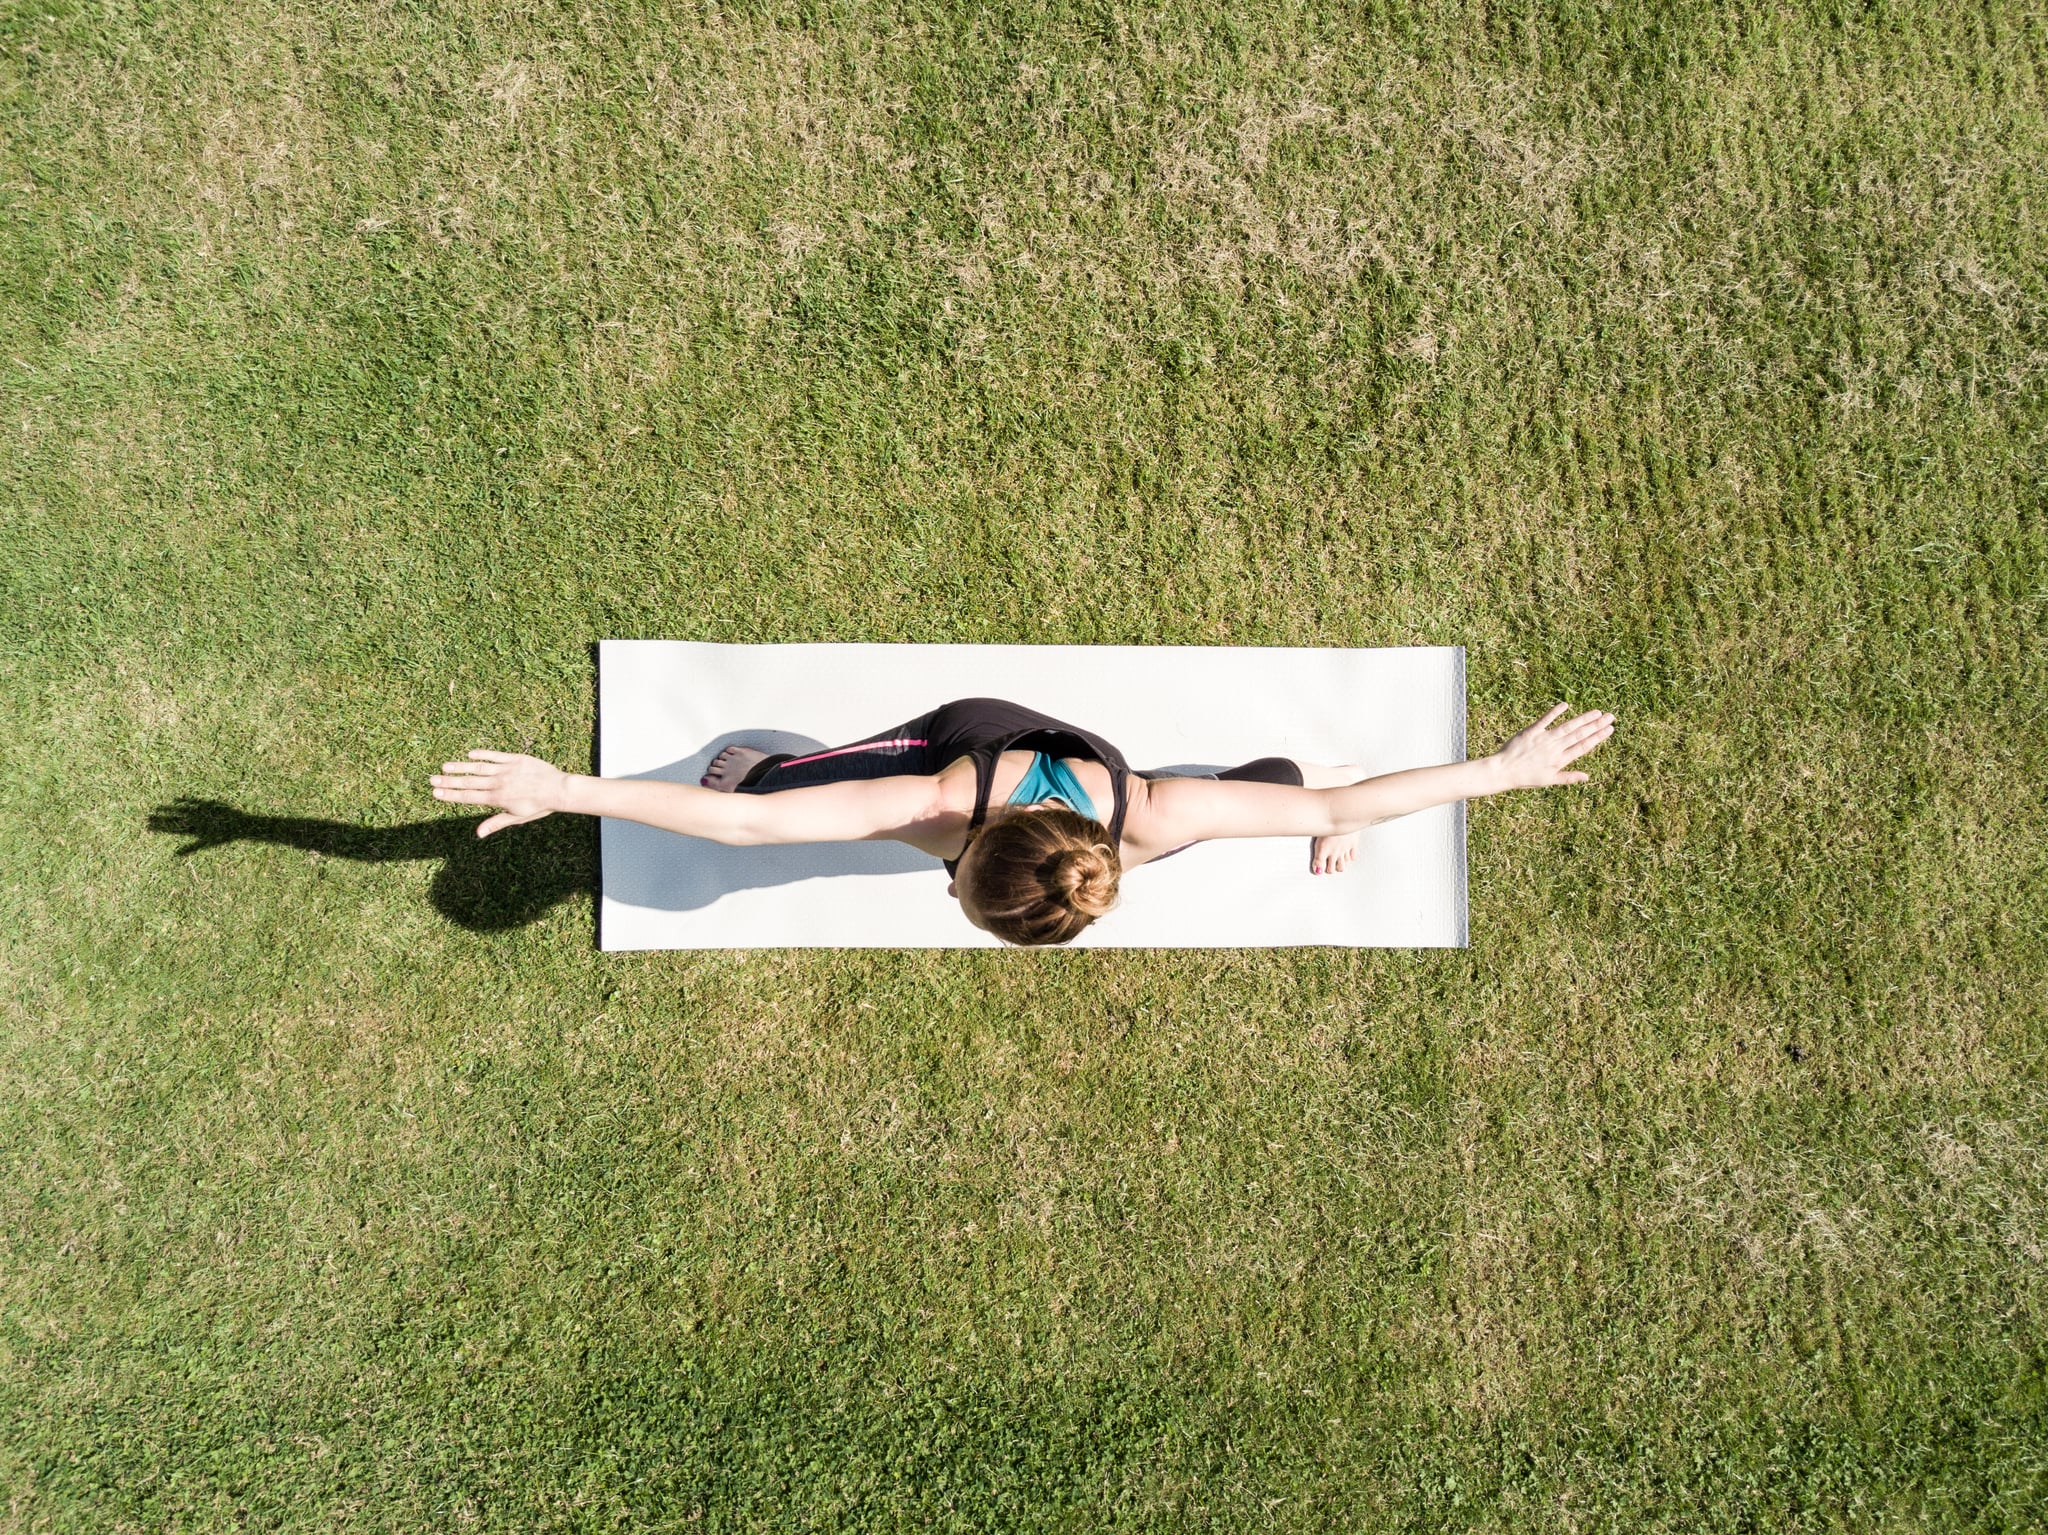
523,788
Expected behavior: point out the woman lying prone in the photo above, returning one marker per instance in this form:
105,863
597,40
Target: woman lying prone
1014,801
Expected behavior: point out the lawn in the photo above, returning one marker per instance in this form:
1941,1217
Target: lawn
361,366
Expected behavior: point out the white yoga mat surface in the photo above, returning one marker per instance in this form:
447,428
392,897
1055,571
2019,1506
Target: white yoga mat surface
666,707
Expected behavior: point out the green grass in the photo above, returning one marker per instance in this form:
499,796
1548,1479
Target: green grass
359,370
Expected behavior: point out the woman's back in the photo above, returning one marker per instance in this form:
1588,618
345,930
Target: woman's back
978,750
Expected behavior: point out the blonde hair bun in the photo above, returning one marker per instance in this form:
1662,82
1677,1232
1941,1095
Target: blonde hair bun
1087,876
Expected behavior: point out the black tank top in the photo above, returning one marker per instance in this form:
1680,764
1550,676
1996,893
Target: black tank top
985,728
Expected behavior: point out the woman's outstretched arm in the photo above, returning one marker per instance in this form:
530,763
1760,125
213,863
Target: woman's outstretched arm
525,789
1197,810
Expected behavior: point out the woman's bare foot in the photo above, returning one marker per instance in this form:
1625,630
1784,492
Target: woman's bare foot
729,767
1332,855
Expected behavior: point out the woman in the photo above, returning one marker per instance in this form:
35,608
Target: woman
1044,862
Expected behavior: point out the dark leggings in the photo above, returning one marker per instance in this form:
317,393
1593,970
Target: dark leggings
905,749
1264,770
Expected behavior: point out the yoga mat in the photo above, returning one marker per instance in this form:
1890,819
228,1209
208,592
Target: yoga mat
667,707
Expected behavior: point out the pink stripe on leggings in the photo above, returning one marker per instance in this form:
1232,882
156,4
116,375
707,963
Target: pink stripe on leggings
840,751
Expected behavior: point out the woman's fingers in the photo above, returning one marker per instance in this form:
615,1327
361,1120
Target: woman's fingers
1587,739
1579,745
1590,717
1584,740
496,823
1571,729
482,764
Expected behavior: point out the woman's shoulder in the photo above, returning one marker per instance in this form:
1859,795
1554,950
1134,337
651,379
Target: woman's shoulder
1148,832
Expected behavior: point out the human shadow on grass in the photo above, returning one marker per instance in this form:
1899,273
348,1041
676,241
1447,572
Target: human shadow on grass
518,875
488,885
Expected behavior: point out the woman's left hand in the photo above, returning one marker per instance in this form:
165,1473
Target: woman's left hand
1536,757
523,788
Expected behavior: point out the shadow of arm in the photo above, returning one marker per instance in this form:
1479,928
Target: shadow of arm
213,823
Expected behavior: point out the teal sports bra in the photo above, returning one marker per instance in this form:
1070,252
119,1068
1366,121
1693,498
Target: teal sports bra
1050,778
